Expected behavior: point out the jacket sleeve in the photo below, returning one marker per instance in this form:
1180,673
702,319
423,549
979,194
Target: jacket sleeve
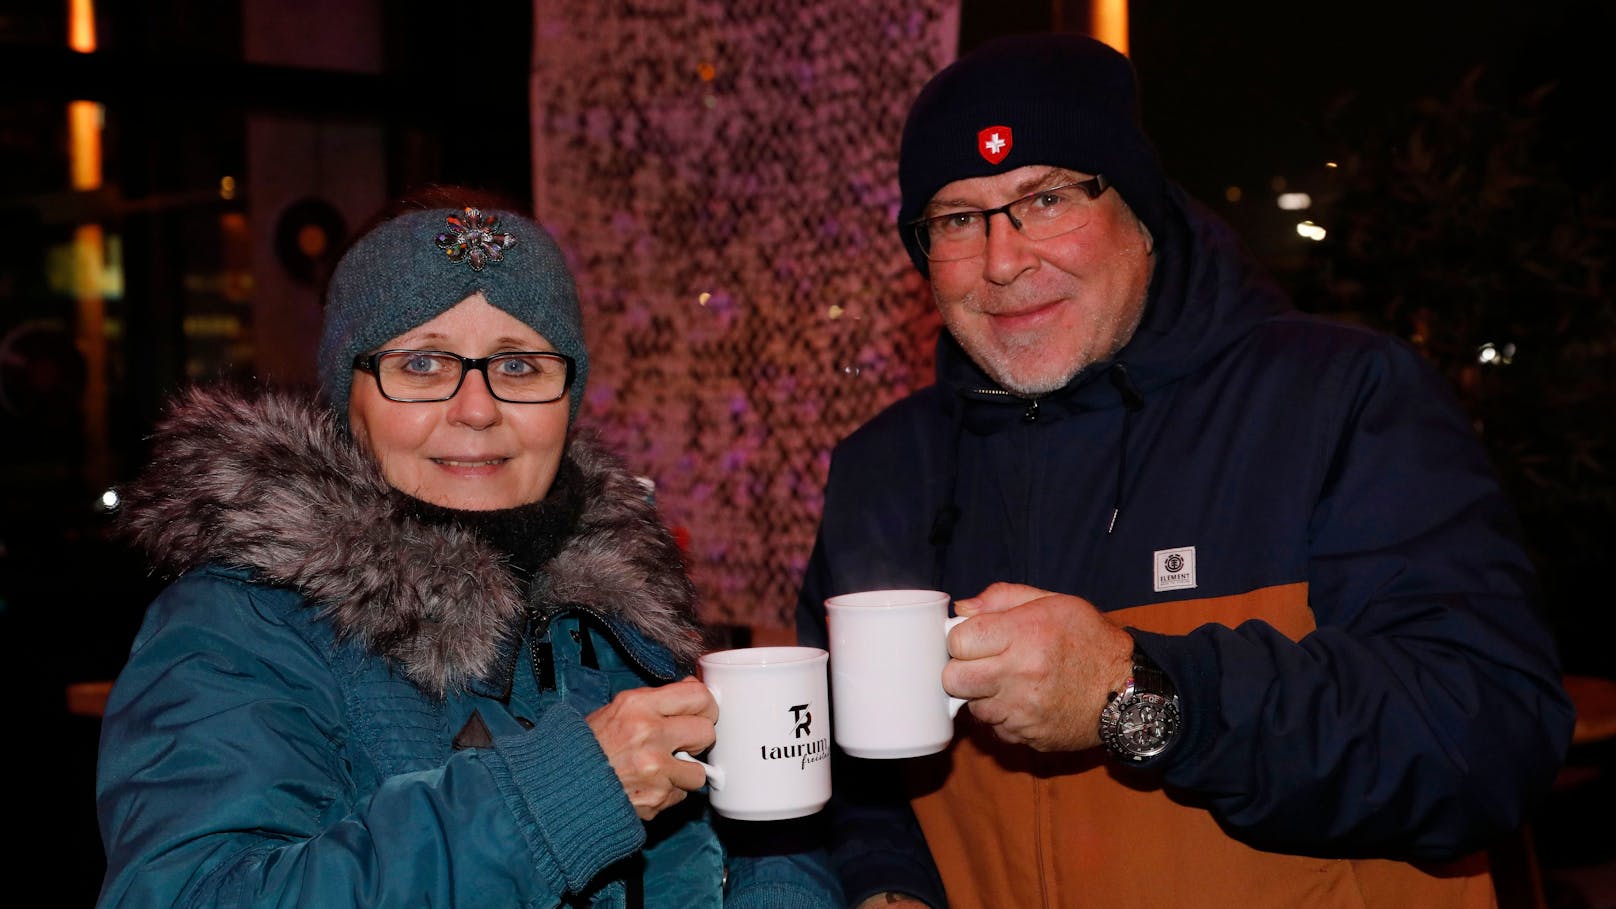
1425,715
221,782
874,840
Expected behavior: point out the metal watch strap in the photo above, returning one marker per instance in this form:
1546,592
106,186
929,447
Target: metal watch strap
1147,676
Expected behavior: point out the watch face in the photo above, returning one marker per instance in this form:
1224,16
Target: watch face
1145,726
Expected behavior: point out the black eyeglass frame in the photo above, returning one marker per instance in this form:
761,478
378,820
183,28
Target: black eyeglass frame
370,363
1094,187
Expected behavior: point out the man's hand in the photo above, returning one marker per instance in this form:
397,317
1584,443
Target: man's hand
1037,666
641,729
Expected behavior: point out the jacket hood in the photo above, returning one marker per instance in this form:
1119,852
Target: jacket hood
269,482
1206,293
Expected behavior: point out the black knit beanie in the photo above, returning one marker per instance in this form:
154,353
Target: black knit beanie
1062,100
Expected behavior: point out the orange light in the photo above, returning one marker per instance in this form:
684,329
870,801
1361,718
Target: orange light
83,117
81,25
84,132
1109,22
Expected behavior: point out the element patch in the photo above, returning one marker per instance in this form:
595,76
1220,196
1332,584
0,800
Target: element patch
1174,569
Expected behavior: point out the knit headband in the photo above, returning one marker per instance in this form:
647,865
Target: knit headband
415,267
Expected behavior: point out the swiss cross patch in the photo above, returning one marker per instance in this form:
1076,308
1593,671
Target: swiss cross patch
994,143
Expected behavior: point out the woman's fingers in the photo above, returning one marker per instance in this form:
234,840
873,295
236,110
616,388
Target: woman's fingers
686,696
687,776
642,728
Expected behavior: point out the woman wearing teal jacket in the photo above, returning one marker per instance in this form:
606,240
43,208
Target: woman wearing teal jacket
428,645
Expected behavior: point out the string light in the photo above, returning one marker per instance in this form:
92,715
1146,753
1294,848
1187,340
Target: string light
1307,230
1490,354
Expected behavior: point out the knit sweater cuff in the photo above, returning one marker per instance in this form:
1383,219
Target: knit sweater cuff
575,804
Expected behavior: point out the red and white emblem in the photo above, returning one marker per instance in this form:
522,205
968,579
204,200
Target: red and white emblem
994,143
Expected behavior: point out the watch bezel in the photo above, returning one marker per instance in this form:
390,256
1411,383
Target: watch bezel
1169,723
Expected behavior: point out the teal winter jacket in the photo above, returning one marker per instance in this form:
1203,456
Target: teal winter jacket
339,703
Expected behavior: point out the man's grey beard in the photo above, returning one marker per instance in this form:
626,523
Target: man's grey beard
1000,373
998,365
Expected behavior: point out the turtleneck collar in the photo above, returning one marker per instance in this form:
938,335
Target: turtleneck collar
528,536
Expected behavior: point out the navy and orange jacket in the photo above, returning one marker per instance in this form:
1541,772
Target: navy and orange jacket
1297,522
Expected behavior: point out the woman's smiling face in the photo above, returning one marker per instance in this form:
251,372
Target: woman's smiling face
471,452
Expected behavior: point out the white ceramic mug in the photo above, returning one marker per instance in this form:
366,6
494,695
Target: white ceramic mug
887,653
771,759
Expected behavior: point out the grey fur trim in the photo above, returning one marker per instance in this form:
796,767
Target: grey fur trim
269,482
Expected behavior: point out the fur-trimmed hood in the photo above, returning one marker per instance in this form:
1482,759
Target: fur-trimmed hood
270,483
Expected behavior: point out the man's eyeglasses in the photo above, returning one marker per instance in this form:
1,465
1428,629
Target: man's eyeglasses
421,376
1042,215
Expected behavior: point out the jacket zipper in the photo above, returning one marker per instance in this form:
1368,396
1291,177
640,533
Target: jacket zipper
544,661
1030,415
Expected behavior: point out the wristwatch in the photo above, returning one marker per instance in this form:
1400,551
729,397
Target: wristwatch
1143,720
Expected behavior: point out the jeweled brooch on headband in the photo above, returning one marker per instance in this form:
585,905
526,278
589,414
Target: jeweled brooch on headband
474,238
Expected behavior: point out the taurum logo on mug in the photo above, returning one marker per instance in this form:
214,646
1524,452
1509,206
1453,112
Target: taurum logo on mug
771,760
802,721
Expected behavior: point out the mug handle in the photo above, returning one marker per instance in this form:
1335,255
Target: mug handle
715,774
954,703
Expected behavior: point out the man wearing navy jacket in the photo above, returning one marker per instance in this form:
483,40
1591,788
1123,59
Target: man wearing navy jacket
1250,623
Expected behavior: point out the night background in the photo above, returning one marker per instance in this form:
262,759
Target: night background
1470,209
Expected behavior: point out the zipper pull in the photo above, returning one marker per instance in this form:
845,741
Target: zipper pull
543,665
1030,415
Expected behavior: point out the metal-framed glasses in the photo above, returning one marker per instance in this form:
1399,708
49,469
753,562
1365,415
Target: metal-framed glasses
1042,215
423,376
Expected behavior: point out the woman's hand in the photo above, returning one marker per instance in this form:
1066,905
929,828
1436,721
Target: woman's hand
642,728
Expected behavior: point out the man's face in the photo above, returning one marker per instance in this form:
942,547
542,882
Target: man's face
1032,313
